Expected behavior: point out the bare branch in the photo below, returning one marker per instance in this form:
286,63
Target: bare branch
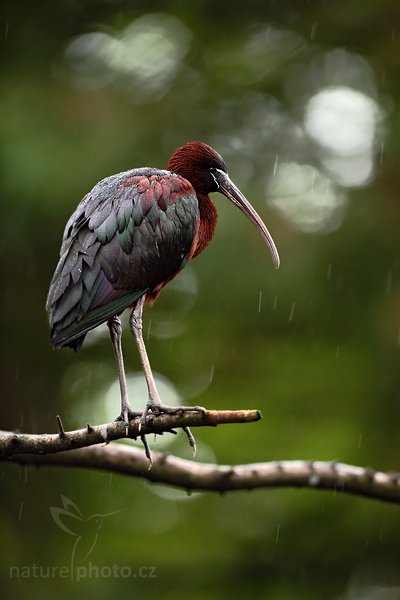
22,443
50,450
191,475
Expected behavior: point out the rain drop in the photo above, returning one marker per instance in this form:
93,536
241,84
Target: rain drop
329,271
389,282
313,180
276,164
314,28
277,533
291,315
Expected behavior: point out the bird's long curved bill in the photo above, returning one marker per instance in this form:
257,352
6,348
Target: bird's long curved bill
229,189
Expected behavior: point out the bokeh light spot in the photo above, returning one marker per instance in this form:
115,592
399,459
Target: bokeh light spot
142,60
343,123
306,198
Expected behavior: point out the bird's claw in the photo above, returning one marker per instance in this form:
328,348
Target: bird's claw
191,439
147,450
157,409
153,409
125,416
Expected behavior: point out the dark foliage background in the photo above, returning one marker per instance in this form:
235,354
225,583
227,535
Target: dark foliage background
301,99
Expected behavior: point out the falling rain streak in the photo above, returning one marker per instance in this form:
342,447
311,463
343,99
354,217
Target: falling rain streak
212,373
329,271
259,301
277,533
389,282
275,164
314,29
291,315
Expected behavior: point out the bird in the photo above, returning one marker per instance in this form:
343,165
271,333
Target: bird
130,236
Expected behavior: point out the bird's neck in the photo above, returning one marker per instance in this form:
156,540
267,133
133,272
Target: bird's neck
208,221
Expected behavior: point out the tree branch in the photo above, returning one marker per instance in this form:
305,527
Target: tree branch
190,475
50,450
21,443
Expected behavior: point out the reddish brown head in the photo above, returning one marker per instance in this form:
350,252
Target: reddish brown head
205,169
195,161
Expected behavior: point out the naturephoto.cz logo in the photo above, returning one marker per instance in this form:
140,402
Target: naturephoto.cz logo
78,572
85,531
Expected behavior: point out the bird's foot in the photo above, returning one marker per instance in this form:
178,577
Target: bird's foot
126,415
154,409
158,408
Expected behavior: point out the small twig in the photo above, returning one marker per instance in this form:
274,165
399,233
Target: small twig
61,431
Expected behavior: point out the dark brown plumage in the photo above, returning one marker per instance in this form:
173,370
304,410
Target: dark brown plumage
129,236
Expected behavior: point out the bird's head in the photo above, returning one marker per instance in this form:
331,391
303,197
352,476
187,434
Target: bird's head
197,162
206,170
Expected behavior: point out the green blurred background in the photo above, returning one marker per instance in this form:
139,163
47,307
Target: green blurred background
302,101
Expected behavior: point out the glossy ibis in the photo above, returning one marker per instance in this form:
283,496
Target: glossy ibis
129,236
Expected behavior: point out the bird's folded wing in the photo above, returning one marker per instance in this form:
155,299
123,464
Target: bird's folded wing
132,232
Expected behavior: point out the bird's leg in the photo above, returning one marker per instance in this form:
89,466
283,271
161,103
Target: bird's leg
114,325
154,403
136,324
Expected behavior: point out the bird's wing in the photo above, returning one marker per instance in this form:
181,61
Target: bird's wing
132,232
